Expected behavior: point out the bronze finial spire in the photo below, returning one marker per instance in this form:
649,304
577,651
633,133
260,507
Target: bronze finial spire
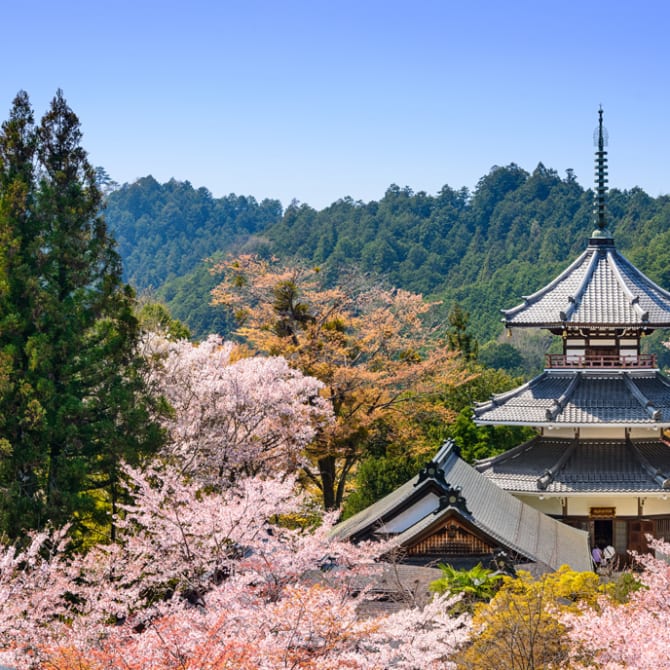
600,140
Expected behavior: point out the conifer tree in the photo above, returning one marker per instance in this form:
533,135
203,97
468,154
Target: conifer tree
72,401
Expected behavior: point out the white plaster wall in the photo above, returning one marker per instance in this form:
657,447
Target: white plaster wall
628,342
625,505
645,433
547,506
656,506
581,506
410,516
596,433
562,433
600,433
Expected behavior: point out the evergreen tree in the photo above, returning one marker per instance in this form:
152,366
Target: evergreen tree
458,337
72,402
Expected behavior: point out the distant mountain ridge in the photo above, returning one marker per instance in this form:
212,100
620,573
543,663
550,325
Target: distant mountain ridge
482,249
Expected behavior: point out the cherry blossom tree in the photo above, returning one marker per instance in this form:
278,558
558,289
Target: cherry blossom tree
219,561
632,635
233,414
203,579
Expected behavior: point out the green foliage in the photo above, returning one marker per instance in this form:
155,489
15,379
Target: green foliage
188,299
165,230
621,588
502,356
477,442
156,318
654,344
458,337
481,250
377,476
165,233
478,584
72,399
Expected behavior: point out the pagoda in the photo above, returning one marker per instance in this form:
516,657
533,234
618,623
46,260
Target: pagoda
600,461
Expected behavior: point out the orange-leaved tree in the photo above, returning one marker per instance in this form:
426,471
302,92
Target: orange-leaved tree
370,345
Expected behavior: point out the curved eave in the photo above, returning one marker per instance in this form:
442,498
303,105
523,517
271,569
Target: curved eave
534,297
643,277
604,398
556,466
574,298
498,399
655,425
604,325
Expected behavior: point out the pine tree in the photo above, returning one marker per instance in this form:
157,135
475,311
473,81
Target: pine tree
72,402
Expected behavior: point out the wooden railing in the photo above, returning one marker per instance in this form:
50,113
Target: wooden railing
571,361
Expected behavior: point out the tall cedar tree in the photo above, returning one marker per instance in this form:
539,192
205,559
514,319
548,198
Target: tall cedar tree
72,400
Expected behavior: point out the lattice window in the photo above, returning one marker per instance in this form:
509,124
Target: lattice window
663,529
451,540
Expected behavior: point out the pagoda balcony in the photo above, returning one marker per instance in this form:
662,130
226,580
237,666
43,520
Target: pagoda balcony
571,361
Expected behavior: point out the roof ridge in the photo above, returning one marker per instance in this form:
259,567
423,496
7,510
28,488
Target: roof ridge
656,473
651,282
496,398
559,403
549,474
634,299
491,460
586,279
649,407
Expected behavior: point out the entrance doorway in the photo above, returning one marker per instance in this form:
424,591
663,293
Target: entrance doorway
603,534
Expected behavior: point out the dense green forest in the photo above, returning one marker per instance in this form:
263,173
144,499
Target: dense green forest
165,233
482,249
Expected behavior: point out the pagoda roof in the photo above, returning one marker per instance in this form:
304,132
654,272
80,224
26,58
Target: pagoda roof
550,465
412,510
601,289
591,397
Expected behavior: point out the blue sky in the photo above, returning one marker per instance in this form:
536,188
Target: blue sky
317,100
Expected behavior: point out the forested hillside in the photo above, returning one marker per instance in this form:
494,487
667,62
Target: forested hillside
166,231
483,249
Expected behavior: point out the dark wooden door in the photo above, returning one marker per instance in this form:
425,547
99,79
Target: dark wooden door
637,531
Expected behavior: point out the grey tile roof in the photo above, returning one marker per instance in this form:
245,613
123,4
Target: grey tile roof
581,466
514,525
583,397
600,288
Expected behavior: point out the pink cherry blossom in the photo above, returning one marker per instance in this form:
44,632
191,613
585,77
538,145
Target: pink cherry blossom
202,579
632,635
252,414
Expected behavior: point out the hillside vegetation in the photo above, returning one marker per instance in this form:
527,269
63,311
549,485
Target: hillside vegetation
481,249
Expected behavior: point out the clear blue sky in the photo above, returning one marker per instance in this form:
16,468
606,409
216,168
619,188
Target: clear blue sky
317,100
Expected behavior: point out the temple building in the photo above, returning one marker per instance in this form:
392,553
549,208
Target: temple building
598,471
450,513
601,461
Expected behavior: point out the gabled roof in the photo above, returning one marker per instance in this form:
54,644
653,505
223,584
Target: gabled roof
583,398
581,466
600,289
509,523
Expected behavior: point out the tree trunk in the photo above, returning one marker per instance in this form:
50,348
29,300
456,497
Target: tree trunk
327,476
